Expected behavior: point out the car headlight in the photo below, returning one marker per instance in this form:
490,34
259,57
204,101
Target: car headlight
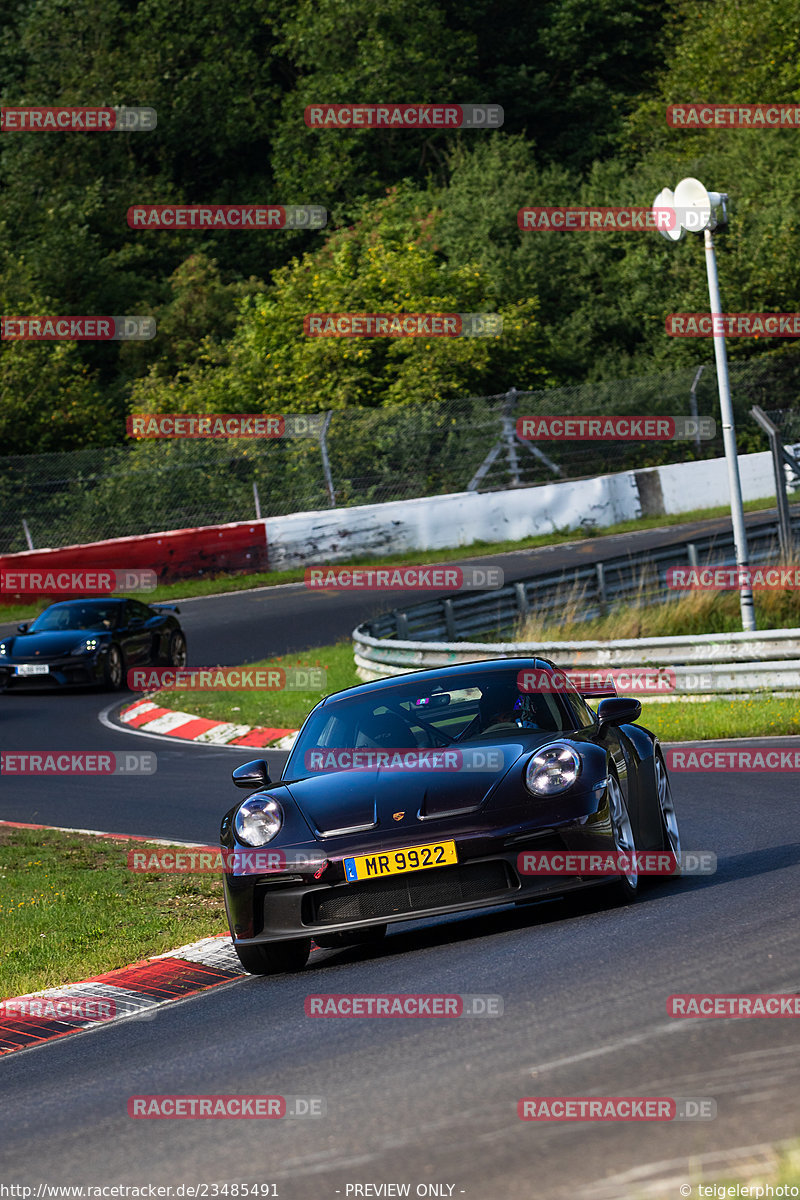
3,648
258,820
552,770
86,646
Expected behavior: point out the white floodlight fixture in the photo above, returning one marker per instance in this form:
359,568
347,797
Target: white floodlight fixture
665,201
694,208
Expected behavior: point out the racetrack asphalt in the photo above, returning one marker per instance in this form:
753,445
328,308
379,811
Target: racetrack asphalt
422,1101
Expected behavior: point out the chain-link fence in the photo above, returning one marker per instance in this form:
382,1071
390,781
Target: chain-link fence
368,456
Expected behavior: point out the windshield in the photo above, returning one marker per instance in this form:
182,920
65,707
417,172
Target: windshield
411,716
78,616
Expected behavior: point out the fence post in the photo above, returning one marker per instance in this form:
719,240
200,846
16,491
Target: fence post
601,588
257,500
326,465
27,532
779,456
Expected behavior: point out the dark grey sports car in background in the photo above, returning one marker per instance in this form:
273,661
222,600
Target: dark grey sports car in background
91,641
420,794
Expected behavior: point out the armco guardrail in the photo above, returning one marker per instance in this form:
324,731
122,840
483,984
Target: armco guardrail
430,634
592,589
710,664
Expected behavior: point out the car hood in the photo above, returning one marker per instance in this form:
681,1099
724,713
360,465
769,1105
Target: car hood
46,645
347,801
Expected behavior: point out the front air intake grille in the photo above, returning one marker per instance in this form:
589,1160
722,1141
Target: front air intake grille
407,893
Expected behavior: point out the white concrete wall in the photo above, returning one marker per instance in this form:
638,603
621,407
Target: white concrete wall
437,522
687,486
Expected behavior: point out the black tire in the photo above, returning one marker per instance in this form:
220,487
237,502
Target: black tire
370,936
670,833
275,958
176,655
627,887
114,669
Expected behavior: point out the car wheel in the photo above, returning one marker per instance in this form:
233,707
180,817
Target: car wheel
273,958
113,669
669,820
351,937
177,650
627,887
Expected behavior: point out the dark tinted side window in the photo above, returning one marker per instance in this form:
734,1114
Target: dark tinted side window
577,706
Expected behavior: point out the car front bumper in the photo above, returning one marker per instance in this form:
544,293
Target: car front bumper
68,671
294,904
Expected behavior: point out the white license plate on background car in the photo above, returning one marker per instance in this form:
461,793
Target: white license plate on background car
32,669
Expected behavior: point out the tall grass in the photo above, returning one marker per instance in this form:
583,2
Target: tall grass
692,613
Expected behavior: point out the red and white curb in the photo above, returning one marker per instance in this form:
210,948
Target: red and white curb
134,991
147,717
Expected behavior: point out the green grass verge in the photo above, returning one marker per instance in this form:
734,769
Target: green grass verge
70,908
712,720
673,722
274,709
215,584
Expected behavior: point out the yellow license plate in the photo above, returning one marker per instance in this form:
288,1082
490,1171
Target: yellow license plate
398,862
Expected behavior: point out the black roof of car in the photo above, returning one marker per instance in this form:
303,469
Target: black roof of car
86,600
479,667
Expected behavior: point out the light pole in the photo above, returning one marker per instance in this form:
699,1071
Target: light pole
694,211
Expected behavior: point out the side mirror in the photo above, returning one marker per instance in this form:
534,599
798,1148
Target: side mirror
23,628
254,774
621,710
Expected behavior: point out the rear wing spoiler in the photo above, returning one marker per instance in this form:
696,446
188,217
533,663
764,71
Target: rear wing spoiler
168,607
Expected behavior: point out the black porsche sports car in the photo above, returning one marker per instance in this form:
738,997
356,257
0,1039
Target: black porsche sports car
420,794
91,641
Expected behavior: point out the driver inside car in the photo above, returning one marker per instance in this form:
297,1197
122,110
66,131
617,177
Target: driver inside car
388,731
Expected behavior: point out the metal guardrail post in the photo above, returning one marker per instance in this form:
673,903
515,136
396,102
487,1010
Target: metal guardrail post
326,464
779,456
601,588
523,608
449,620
